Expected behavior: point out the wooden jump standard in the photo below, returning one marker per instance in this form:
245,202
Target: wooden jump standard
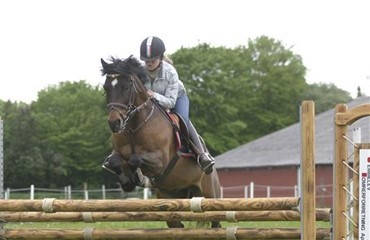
343,118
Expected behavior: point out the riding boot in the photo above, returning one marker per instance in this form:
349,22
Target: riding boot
205,160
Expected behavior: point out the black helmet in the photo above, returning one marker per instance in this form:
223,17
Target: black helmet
152,48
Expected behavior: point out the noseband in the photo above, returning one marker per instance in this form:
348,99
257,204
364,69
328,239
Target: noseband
130,108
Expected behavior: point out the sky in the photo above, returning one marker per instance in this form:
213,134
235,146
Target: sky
45,42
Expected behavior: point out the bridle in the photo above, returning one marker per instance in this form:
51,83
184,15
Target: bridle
130,108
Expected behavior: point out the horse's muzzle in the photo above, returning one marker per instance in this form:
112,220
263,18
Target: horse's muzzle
115,125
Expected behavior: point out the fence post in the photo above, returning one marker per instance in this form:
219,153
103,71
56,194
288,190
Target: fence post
32,192
246,191
145,193
65,192
296,193
251,190
69,192
103,191
86,192
7,193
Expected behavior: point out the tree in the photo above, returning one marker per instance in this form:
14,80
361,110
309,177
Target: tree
275,83
212,80
23,161
240,94
72,128
325,96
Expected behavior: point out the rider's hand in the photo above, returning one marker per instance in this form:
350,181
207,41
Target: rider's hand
150,93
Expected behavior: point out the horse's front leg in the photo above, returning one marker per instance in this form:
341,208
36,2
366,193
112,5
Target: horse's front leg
135,163
151,163
114,163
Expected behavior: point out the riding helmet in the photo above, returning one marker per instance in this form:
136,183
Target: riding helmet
152,48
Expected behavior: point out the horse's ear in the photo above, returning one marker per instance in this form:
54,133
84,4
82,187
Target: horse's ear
103,63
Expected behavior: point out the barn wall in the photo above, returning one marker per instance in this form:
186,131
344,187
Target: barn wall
280,179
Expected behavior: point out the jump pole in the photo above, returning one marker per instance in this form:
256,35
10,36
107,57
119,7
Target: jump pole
322,214
195,204
230,233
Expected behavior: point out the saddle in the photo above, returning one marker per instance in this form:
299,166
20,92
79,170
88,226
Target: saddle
182,134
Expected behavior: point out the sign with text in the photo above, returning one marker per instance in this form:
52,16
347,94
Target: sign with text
364,195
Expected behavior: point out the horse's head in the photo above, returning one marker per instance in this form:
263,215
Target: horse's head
124,90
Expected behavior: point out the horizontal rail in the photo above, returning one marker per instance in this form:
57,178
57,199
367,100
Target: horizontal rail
160,233
230,216
195,204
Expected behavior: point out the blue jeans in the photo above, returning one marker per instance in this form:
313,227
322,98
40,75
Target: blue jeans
182,108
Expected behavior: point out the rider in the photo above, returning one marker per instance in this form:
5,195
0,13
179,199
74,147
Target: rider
166,87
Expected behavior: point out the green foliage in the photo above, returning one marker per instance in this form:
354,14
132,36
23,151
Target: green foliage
276,81
240,94
23,161
72,129
210,77
326,96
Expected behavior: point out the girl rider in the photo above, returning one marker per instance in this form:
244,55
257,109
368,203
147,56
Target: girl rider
166,87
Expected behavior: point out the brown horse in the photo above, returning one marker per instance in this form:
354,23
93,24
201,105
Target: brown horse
145,151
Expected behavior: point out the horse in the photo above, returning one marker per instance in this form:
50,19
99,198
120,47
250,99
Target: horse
145,146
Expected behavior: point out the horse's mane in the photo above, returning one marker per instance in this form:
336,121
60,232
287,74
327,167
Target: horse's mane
127,66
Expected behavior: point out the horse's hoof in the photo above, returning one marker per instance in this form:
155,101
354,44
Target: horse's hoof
206,163
112,164
140,179
128,187
209,169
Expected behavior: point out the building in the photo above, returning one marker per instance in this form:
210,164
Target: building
272,162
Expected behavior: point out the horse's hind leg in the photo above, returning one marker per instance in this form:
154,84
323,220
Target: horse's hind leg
196,192
216,224
175,224
212,189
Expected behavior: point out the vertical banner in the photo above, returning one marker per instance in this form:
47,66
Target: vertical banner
364,195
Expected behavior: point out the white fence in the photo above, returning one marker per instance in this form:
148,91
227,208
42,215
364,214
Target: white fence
323,192
67,192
